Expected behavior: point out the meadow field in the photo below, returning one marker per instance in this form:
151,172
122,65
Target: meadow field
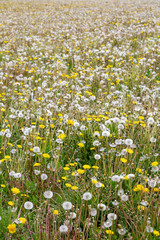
79,120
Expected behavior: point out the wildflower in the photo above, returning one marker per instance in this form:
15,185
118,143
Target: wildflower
48,194
80,171
128,142
12,228
115,178
124,197
154,164
10,203
44,176
70,122
150,120
155,169
106,133
96,143
17,175
46,155
64,178
42,126
81,145
110,232
15,190
141,207
12,173
156,233
97,156
67,205
95,167
37,164
130,176
28,205
63,229
120,192
22,220
93,212
66,168
86,167
115,203
144,203
101,207
129,151
99,184
156,189
123,160
62,136
55,212
153,140
112,216
68,185
36,149
87,196
107,224
74,187
152,183
37,172
149,229
72,215
122,231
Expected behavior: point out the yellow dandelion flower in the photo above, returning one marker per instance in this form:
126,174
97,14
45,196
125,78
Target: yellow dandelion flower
66,168
56,212
156,189
92,148
126,178
68,185
95,167
110,232
12,228
141,207
70,122
80,171
22,220
10,203
94,181
129,150
86,167
64,178
24,195
146,190
154,164
81,145
123,160
71,164
46,155
62,136
42,126
15,190
156,233
2,185
74,187
37,164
